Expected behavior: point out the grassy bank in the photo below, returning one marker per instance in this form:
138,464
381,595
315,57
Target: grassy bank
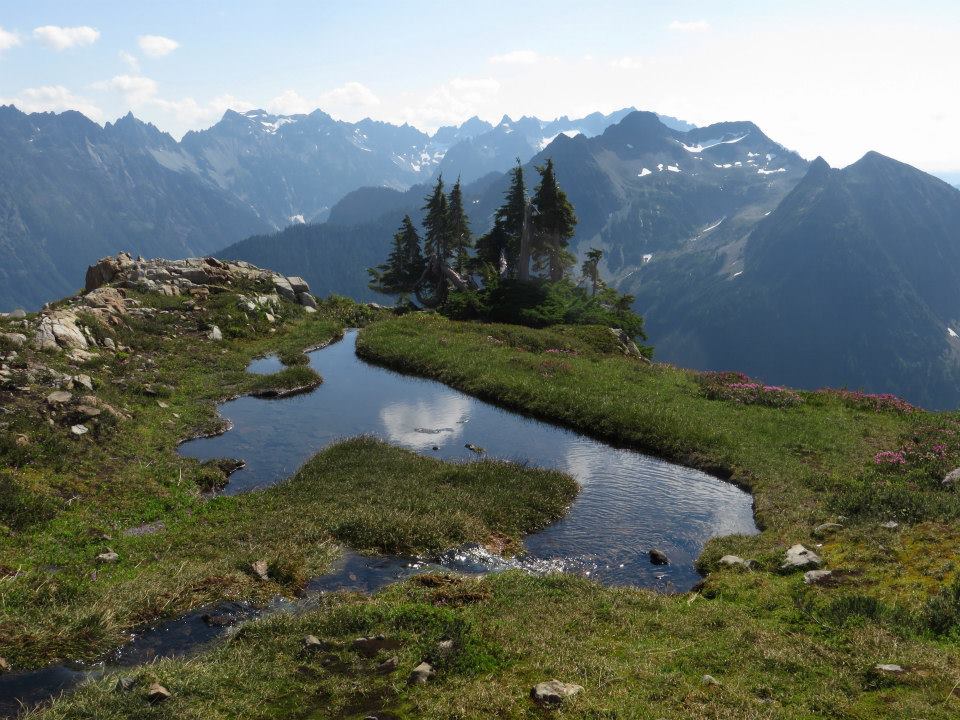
776,646
636,654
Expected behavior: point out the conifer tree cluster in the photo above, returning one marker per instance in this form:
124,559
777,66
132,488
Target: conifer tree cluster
446,234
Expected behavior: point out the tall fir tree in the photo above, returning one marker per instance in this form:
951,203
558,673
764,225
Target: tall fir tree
554,225
458,226
591,269
504,239
436,224
404,265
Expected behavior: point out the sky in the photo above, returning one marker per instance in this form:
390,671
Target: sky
823,78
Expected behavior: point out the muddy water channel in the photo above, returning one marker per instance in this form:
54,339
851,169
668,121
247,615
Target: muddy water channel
628,502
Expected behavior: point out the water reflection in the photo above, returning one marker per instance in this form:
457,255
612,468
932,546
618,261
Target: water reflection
628,502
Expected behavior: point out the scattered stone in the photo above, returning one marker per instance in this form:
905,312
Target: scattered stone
890,525
445,647
388,665
125,684
952,477
4,666
260,569
734,561
15,339
309,310
59,330
814,577
84,380
554,692
306,300
475,448
658,557
108,557
87,412
298,284
79,430
157,693
709,681
18,314
799,558
827,528
215,334
313,643
888,668
421,674
59,397
370,646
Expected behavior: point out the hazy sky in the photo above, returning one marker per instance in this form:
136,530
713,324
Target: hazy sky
824,78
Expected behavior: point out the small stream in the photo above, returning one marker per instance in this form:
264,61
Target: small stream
628,502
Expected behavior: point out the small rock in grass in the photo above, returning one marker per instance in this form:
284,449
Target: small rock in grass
888,668
312,642
475,448
734,561
445,647
370,646
84,380
554,692
799,558
261,569
813,577
79,429
108,557
388,666
157,693
952,477
4,665
15,339
125,684
826,528
658,557
890,525
18,314
421,674
309,310
709,681
215,334
59,397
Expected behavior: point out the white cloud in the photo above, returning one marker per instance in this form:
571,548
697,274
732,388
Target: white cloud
136,89
129,60
452,102
62,38
53,98
345,100
627,63
689,26
8,39
516,57
157,45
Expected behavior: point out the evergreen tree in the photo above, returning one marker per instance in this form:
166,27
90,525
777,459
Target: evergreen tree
436,224
494,245
404,265
591,269
508,222
458,226
554,223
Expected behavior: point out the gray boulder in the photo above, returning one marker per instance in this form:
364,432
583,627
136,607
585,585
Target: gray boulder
800,558
421,674
554,692
813,577
952,477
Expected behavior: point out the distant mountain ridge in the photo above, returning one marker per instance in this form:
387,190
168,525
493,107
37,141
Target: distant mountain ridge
72,191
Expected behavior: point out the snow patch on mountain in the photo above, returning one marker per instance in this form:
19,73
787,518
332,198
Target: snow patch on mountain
706,145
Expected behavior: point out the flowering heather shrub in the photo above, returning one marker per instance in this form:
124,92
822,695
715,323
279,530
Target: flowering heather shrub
878,402
737,387
890,457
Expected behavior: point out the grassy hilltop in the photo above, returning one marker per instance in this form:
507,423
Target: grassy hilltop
771,644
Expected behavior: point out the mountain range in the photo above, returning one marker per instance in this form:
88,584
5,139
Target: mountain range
72,191
740,253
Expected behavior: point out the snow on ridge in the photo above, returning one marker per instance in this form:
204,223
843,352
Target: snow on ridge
709,144
298,219
764,171
951,332
673,168
544,141
644,172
